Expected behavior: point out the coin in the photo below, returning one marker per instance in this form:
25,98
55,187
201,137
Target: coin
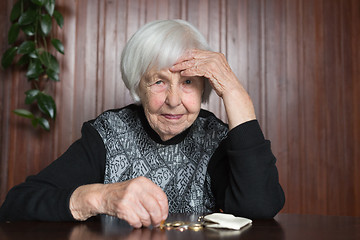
181,226
195,227
177,224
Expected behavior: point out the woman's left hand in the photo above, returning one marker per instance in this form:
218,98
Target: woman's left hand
211,65
214,66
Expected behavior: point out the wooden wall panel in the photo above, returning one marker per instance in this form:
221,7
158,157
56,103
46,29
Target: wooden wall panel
353,70
294,102
5,97
299,60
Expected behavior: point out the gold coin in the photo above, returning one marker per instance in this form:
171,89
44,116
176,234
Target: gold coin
177,224
181,229
195,227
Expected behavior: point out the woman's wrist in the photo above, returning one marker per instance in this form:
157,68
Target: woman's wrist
85,201
239,107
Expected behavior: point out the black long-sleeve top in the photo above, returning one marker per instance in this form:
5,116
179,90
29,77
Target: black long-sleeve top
244,177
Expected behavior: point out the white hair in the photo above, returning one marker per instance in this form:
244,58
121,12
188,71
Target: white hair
159,44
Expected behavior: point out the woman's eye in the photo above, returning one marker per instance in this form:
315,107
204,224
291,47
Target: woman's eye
158,86
158,82
188,81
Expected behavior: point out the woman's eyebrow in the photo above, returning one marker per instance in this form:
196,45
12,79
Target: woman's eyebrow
160,75
151,77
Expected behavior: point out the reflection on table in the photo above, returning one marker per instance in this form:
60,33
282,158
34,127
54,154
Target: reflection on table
284,226
113,228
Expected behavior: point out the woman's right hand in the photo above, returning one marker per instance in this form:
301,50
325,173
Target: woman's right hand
138,201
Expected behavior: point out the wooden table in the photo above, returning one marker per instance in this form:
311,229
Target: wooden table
284,226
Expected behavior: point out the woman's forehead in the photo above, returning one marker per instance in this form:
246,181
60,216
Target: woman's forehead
156,73
165,73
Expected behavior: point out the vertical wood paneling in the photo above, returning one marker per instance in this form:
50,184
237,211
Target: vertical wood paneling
353,95
214,26
110,64
299,60
294,104
123,97
347,103
275,81
254,54
314,141
335,113
5,97
174,9
80,77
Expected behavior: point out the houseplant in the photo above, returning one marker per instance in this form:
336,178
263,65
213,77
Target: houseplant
30,41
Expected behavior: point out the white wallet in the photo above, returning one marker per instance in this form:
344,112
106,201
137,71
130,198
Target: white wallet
228,221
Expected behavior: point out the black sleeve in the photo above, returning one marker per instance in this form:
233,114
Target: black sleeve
46,195
244,176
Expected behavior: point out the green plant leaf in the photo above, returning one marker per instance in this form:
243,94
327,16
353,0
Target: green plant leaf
15,11
29,30
35,122
38,2
27,17
59,18
34,55
50,6
44,123
45,24
26,47
8,57
52,75
35,69
24,113
58,45
50,61
46,104
31,95
13,33
23,60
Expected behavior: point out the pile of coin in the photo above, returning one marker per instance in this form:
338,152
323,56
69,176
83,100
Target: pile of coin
181,226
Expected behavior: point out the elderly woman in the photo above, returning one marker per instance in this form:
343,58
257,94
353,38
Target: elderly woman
163,154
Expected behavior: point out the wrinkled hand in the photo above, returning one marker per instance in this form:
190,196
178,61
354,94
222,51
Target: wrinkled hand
138,201
211,65
214,66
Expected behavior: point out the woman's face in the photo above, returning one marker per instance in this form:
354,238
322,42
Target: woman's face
171,102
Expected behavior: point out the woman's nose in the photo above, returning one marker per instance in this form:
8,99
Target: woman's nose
173,97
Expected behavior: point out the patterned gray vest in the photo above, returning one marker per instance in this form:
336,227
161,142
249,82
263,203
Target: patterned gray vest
179,169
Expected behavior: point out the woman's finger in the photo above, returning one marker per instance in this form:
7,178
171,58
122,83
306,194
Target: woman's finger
155,202
152,207
143,214
130,216
184,65
151,201
188,55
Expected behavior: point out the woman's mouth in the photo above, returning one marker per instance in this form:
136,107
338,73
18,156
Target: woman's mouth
172,116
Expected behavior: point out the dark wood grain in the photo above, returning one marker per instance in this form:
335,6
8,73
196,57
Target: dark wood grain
284,226
299,60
